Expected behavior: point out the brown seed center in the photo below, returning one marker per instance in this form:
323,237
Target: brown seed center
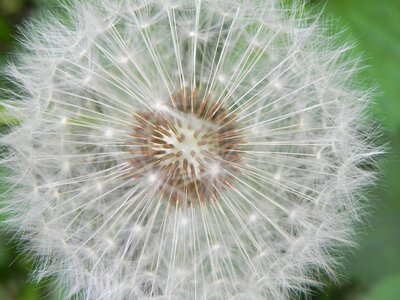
188,149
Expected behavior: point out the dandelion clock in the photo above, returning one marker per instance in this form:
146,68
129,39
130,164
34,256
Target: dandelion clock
184,149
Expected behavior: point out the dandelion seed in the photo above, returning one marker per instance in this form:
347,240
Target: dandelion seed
184,149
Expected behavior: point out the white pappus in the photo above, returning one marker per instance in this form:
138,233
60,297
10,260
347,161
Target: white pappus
184,149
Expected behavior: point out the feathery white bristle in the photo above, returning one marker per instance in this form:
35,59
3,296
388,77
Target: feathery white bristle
184,149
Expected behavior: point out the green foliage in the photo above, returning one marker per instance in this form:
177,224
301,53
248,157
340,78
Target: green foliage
388,288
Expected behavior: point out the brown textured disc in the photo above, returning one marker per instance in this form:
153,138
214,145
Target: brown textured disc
188,148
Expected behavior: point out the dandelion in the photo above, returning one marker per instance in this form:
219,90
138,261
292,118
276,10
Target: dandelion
184,149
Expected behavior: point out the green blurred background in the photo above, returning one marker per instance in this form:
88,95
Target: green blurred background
372,271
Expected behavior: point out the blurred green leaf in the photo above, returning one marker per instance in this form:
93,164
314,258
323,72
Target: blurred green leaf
5,30
375,24
376,27
386,289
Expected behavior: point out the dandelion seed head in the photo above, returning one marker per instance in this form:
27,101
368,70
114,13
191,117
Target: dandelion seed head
185,149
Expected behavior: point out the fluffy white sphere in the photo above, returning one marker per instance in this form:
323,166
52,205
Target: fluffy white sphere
184,149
